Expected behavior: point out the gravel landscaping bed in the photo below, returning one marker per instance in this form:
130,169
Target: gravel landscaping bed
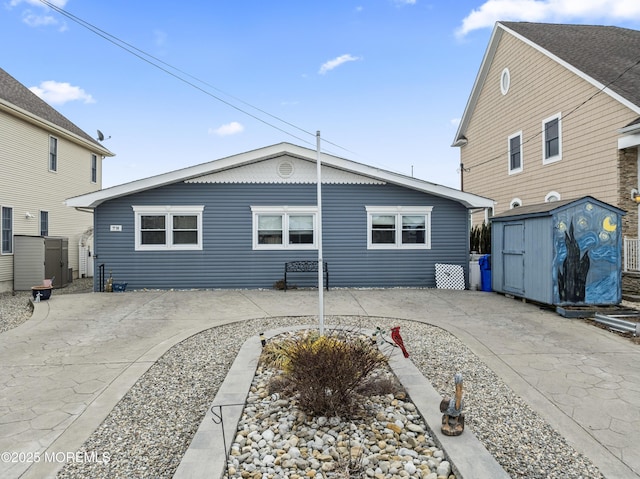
149,430
16,308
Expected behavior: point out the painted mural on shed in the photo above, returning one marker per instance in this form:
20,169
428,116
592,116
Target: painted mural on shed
236,221
587,255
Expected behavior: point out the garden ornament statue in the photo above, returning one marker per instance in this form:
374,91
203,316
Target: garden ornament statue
395,335
453,417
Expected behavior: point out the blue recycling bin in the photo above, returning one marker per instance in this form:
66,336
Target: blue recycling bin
485,272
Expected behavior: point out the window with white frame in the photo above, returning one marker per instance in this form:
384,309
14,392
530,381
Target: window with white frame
515,203
6,218
159,228
515,153
44,223
53,153
392,227
552,196
94,169
551,139
285,227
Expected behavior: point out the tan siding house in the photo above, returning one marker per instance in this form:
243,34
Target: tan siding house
33,183
554,114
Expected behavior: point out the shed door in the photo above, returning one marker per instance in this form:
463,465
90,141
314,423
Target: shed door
513,258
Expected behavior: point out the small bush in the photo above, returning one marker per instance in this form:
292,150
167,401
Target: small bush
327,373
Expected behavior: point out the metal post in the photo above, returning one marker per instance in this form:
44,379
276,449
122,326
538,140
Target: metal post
319,229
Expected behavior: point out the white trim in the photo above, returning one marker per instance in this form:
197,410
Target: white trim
168,212
628,141
285,212
552,194
519,169
487,61
512,203
558,157
13,229
399,212
91,200
504,88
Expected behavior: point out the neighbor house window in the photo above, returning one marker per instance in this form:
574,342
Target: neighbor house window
551,139
168,227
391,227
552,196
515,153
515,203
285,227
94,169
7,230
53,154
44,223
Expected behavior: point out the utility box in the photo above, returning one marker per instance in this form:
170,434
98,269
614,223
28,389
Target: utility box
560,253
28,262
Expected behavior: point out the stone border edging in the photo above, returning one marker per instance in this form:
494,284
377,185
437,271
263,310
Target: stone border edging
470,459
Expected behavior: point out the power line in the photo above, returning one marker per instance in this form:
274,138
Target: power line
156,62
563,117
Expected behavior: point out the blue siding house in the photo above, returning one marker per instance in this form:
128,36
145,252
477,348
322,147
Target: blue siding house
234,222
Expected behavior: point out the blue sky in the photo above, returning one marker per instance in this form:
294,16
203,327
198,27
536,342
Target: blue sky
384,80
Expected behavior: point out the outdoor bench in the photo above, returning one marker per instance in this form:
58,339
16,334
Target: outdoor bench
305,267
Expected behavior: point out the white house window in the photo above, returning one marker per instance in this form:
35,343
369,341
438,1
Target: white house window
551,139
505,81
552,196
53,153
44,223
6,218
161,228
285,227
515,153
94,169
391,227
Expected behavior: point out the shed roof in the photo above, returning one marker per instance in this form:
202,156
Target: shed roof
548,208
20,101
92,200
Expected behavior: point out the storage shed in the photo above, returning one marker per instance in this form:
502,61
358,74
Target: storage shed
561,253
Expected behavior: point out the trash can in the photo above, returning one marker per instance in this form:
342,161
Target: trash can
485,272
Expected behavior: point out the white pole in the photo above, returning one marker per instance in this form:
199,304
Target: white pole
319,229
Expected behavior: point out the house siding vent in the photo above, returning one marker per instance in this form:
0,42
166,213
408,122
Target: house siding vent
285,169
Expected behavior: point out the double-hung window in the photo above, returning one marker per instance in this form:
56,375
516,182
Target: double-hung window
515,153
551,139
44,223
94,168
159,228
6,218
392,227
53,153
285,227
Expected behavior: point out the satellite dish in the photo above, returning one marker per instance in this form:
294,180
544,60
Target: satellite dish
101,136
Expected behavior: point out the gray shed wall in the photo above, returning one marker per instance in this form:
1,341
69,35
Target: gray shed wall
228,261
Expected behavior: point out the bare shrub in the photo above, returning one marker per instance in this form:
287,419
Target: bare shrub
327,372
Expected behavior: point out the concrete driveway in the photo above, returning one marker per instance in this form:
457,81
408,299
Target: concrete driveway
63,371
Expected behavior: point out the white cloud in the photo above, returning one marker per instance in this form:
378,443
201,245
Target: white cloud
40,19
405,2
455,121
336,62
232,128
59,93
160,37
548,11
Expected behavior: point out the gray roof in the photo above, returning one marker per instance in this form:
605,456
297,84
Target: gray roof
545,209
602,52
14,92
